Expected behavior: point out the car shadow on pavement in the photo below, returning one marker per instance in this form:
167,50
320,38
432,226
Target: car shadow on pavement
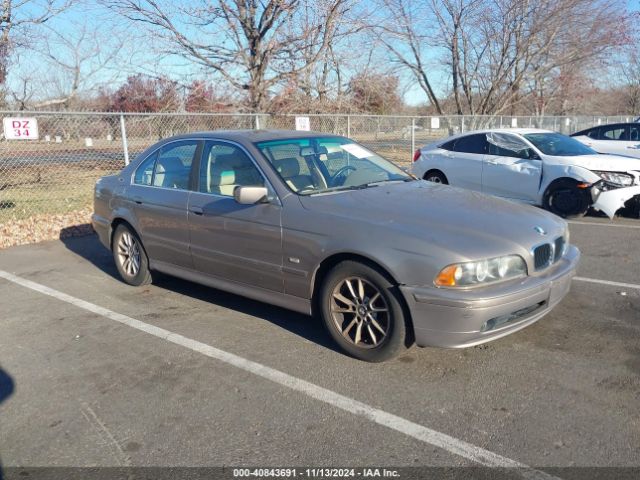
305,326
90,248
7,387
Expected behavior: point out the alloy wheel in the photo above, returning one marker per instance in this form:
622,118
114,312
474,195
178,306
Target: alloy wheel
360,312
129,254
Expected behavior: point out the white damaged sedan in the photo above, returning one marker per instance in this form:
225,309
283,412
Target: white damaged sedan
539,167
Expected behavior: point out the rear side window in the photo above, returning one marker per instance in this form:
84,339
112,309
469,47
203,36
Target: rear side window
634,133
173,166
448,146
616,132
472,144
593,133
144,173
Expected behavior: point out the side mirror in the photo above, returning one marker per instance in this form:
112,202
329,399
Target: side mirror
250,195
533,155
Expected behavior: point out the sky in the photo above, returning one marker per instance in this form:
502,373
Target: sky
137,54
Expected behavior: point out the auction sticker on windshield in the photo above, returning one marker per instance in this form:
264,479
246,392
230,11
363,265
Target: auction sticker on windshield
356,150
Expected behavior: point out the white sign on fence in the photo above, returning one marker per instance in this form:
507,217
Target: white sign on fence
514,123
303,123
20,128
435,123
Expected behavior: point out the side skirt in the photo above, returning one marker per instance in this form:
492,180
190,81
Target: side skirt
290,302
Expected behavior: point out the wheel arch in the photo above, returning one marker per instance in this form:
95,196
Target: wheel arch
327,264
117,221
558,181
435,170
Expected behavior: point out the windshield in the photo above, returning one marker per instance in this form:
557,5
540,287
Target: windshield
557,144
323,164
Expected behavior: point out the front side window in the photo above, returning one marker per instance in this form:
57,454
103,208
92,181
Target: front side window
551,143
472,144
322,164
225,167
507,145
173,166
634,133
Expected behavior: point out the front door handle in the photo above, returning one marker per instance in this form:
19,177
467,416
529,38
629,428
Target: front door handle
196,210
137,199
492,162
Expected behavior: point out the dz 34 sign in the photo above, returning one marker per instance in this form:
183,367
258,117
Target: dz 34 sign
24,128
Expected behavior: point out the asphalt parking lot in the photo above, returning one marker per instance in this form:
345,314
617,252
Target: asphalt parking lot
96,373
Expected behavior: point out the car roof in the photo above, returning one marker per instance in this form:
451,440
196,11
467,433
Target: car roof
251,136
521,131
619,124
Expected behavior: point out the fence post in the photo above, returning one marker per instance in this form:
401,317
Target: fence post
348,126
413,135
125,145
257,123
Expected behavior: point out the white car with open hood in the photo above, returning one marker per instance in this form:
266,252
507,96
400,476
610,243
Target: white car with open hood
535,166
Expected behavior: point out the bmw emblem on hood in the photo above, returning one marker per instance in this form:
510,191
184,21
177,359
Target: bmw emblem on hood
540,230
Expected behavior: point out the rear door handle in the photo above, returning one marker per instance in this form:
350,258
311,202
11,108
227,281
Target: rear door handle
196,210
492,162
138,200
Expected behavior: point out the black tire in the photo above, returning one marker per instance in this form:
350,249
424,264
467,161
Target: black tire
125,244
436,176
393,322
566,200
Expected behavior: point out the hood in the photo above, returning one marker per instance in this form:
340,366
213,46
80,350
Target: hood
468,222
602,162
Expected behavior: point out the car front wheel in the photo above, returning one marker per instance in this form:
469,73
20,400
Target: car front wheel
566,200
363,313
131,259
436,177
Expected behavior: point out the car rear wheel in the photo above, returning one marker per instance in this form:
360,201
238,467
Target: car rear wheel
363,313
436,176
566,200
131,259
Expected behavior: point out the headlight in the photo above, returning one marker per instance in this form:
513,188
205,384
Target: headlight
481,272
618,178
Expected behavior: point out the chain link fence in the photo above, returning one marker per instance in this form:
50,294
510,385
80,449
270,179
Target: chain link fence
55,173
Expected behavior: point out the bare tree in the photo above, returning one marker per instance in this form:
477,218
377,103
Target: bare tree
405,34
78,60
248,43
16,19
498,47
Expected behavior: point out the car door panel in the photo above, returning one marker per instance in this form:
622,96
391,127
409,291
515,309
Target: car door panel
236,242
463,165
512,177
159,202
240,243
507,173
162,223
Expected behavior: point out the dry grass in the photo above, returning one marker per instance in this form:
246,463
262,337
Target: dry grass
48,189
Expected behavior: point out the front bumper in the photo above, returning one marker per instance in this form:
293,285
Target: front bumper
610,201
463,318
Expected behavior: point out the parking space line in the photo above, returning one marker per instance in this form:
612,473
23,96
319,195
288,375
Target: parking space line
419,432
608,282
599,224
